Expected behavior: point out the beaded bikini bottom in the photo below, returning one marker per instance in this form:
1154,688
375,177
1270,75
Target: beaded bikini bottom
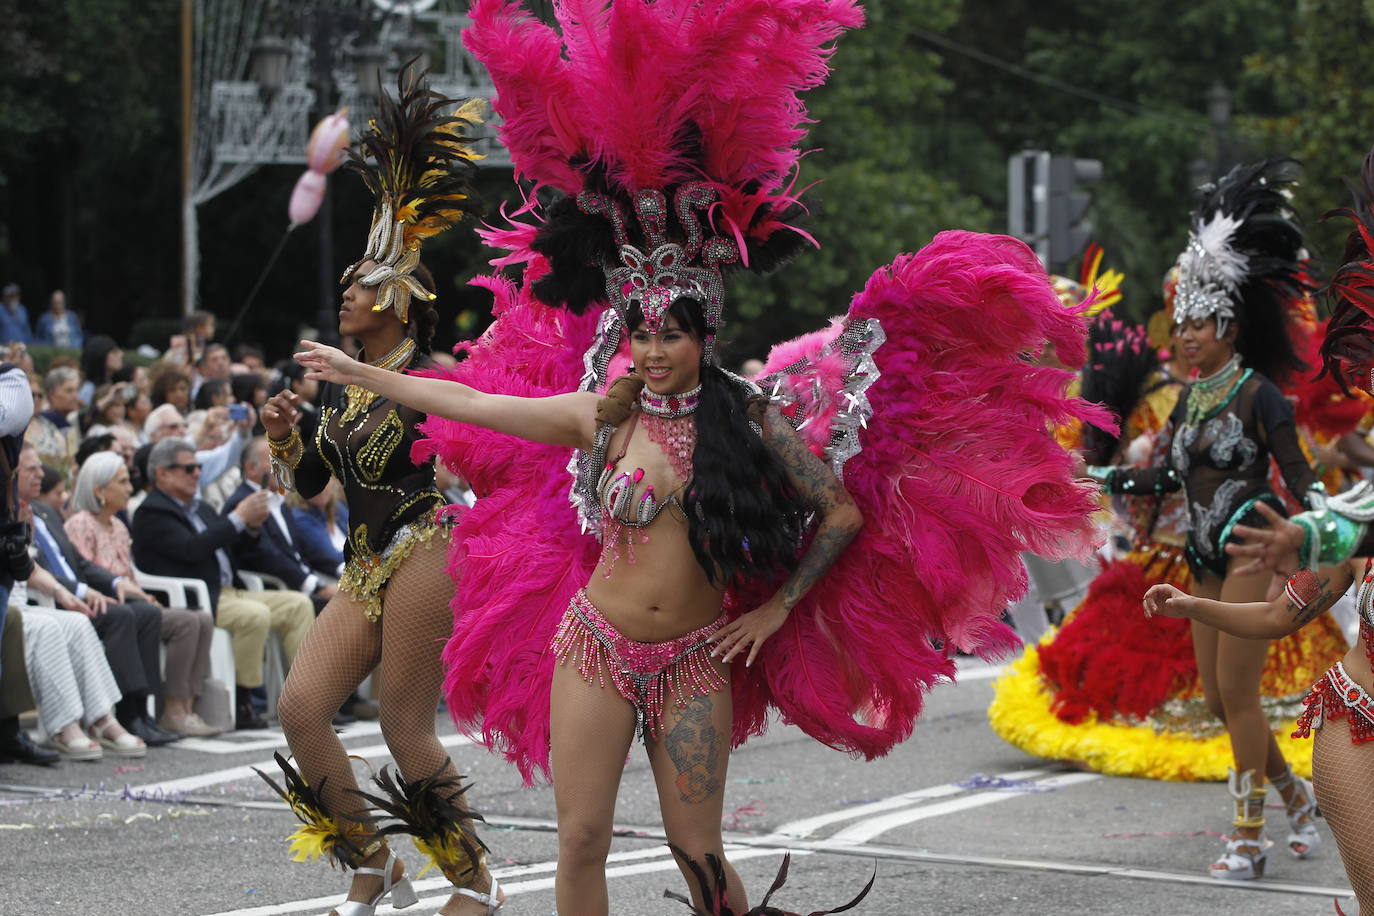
642,672
1337,696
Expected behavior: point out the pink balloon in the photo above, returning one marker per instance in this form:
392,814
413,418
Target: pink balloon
306,198
324,152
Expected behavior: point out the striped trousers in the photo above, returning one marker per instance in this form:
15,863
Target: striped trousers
68,674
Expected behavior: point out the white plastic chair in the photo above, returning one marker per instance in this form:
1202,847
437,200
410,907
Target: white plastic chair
177,590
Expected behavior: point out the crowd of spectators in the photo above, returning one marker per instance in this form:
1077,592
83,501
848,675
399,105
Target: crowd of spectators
125,473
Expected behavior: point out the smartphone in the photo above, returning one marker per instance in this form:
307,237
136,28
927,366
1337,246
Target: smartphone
238,412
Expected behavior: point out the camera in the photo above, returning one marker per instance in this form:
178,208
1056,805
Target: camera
15,559
238,412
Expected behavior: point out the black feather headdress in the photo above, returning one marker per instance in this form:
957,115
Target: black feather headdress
1245,262
416,161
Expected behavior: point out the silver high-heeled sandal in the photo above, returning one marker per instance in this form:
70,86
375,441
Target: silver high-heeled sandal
491,899
402,892
1303,838
1245,857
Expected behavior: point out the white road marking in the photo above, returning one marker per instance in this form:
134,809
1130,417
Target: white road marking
907,854
876,826
229,774
661,861
808,826
978,673
266,740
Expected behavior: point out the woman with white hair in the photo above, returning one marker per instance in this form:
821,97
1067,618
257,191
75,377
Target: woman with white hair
102,491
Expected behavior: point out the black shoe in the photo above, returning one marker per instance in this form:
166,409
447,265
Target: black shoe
16,747
152,735
246,717
342,718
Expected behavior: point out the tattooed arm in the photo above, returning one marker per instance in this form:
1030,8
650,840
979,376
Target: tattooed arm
1308,594
838,521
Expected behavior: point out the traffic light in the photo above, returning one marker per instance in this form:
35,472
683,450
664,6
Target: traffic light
1070,232
1047,203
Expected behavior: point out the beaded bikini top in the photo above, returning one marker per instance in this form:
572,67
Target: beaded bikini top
618,491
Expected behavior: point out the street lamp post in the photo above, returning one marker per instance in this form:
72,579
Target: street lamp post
310,57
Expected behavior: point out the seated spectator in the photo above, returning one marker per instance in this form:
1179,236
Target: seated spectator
135,375
58,327
137,406
14,318
249,388
213,364
129,626
53,432
70,675
97,442
165,422
322,524
101,358
53,491
252,361
105,413
273,548
290,375
172,386
198,329
102,491
176,534
206,423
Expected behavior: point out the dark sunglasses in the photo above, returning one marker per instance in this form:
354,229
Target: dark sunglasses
193,468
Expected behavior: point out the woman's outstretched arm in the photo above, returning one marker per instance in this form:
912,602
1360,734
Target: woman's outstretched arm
562,419
1308,594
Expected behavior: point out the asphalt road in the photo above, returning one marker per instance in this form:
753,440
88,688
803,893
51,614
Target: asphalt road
955,822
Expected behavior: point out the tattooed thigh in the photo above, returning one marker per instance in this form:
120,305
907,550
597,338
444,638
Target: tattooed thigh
693,744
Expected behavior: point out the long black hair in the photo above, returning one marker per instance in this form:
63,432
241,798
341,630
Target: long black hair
93,356
744,517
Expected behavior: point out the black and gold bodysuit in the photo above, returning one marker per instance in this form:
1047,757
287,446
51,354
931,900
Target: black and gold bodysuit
364,441
1222,439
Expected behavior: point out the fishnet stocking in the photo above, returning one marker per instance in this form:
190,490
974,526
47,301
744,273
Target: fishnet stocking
342,648
1344,776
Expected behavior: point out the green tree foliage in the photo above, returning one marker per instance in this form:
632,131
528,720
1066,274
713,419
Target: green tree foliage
1125,83
1322,78
878,195
90,161
915,126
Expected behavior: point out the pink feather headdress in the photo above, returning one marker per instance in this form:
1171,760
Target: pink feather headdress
673,128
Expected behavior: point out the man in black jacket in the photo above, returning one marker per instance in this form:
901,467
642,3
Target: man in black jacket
176,534
129,626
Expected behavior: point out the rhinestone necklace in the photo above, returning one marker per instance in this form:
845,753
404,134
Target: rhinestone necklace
669,406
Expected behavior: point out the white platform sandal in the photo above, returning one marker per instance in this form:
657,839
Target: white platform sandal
1303,837
401,891
1245,858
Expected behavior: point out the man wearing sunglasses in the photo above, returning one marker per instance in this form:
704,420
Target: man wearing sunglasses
177,534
